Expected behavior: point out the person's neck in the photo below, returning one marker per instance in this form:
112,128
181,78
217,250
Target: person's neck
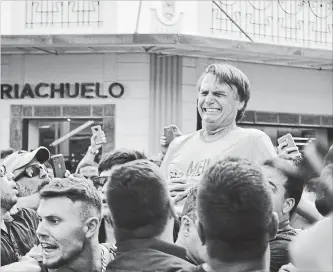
218,131
253,266
284,223
88,260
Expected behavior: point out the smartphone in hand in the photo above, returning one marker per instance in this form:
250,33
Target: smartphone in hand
169,135
58,165
288,138
97,130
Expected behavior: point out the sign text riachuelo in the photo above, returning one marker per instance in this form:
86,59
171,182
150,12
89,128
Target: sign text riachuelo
61,90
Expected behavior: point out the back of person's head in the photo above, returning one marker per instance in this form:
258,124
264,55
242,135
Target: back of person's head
294,183
138,200
233,77
76,188
118,157
236,218
190,205
188,236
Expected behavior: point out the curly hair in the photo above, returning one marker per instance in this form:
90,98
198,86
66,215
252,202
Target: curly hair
190,205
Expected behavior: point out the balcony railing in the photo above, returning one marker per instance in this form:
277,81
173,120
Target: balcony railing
63,14
290,22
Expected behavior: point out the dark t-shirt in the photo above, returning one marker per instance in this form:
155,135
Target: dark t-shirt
279,248
21,235
150,255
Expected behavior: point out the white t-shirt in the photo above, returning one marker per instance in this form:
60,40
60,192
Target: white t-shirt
189,156
312,249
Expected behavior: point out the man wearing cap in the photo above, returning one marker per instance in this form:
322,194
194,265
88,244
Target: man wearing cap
18,231
29,174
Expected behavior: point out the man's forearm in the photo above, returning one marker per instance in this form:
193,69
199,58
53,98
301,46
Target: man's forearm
308,211
87,159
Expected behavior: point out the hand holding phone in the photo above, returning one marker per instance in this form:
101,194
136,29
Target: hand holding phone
58,165
169,135
289,143
98,135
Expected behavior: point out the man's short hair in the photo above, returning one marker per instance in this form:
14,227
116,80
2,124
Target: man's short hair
190,205
294,184
118,157
76,188
235,209
138,199
233,77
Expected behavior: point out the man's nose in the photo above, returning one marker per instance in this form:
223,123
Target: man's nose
209,98
41,230
43,173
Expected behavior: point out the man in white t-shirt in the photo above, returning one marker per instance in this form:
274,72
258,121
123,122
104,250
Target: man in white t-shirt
223,94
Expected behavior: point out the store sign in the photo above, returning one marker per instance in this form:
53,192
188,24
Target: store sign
62,90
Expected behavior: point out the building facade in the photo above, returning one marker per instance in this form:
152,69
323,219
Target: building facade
135,75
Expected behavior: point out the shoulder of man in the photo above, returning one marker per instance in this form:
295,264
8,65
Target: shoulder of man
149,259
27,214
253,132
182,139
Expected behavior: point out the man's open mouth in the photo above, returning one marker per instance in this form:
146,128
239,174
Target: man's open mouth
211,110
48,247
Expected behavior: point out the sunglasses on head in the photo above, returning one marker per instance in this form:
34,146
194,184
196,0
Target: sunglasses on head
100,181
3,171
30,172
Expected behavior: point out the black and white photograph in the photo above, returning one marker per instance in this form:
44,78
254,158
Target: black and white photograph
166,136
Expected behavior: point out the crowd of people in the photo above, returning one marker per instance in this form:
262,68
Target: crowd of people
223,198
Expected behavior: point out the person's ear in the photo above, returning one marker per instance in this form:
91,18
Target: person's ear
91,226
201,232
288,204
273,226
240,105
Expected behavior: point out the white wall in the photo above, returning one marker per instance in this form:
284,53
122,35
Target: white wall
131,70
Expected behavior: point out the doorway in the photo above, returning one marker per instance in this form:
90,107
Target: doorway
36,125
